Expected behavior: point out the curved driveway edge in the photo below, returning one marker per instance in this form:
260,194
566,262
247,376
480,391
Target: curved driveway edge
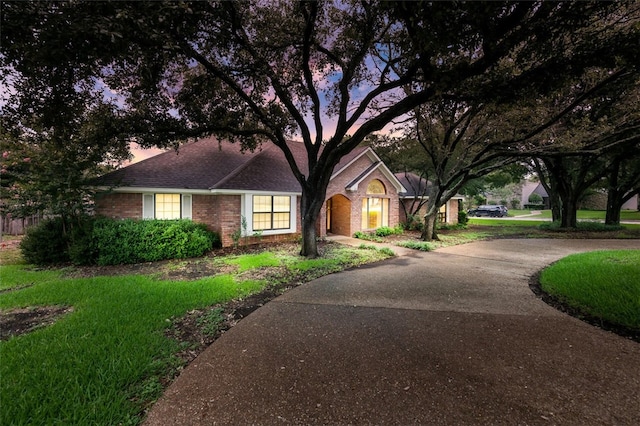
453,336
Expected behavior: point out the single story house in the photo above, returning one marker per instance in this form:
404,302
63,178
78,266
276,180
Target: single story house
529,188
217,183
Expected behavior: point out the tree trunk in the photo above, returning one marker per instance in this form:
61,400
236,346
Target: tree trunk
310,211
556,207
309,247
429,231
613,212
614,204
569,213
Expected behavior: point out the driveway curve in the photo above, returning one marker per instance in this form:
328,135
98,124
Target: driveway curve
448,337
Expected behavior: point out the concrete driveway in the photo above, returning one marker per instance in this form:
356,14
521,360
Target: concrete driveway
453,336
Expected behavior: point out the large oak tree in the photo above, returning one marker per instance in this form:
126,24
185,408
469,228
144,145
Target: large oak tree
328,73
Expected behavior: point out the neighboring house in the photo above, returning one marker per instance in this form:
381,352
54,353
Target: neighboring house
531,187
416,194
632,204
216,183
597,200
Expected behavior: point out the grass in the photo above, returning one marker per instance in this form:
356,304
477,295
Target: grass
107,360
96,365
602,284
505,222
9,255
585,225
253,261
582,214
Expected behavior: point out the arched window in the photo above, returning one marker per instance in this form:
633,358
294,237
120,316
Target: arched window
375,210
376,187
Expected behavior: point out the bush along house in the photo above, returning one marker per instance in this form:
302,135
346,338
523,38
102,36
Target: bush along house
252,193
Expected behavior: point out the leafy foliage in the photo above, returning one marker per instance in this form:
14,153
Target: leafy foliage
113,242
134,241
46,243
535,198
463,217
385,231
418,245
369,236
413,223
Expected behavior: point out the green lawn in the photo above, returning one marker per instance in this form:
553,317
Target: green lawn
536,221
604,284
109,358
582,214
505,222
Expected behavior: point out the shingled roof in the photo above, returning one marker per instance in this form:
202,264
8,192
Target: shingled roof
414,184
211,164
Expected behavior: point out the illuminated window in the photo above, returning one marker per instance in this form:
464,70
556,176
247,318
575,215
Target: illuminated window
375,213
167,206
375,187
271,212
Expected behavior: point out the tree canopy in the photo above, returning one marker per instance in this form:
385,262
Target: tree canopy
329,73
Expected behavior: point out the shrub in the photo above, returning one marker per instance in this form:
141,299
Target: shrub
413,223
46,243
81,250
385,231
134,241
463,217
535,198
57,240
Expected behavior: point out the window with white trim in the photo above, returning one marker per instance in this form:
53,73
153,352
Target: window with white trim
166,206
271,212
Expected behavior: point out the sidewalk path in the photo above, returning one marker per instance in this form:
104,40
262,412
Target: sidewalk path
450,337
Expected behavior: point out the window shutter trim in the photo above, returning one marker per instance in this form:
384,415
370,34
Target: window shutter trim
186,206
148,206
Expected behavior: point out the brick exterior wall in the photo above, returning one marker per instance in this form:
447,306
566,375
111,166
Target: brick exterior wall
119,205
221,214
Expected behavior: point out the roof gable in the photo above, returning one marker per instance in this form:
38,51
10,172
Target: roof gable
376,164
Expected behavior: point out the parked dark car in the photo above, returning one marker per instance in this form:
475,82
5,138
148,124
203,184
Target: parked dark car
490,211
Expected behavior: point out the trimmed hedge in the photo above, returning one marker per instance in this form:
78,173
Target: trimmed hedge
135,241
111,242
